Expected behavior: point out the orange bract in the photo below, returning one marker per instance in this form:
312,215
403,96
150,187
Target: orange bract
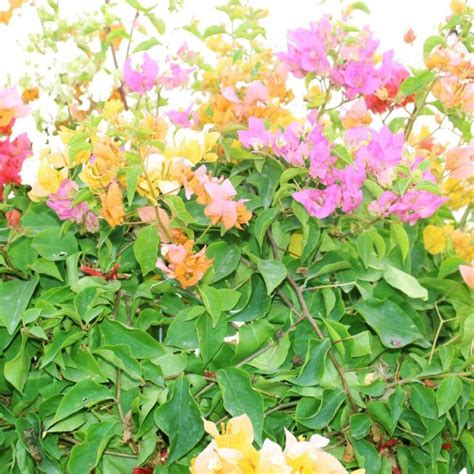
112,205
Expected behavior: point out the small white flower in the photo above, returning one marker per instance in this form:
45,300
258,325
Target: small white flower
232,339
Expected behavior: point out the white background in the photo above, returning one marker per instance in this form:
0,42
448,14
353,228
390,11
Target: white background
389,19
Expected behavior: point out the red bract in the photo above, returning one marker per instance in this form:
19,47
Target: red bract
13,218
388,444
142,470
447,446
111,275
383,99
12,155
163,455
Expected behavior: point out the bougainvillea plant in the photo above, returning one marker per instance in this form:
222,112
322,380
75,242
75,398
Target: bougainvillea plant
272,274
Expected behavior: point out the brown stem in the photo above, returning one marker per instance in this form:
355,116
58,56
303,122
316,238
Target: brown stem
416,112
307,315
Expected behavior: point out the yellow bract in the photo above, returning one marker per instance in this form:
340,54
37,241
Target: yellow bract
194,146
51,172
232,452
101,171
434,239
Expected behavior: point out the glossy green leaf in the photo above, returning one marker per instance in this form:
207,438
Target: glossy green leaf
14,298
180,419
448,394
273,273
145,248
394,327
52,245
84,394
240,398
405,283
85,456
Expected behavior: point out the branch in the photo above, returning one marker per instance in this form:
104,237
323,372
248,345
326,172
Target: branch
307,315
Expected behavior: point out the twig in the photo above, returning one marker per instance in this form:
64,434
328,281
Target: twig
306,313
416,112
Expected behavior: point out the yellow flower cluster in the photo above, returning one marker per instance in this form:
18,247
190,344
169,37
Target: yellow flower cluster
232,452
52,170
163,171
436,240
453,168
238,76
6,15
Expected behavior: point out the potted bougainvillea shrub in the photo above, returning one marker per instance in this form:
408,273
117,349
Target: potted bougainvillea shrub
219,258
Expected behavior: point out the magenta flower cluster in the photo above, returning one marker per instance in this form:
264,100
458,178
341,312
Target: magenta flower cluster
350,61
377,155
63,204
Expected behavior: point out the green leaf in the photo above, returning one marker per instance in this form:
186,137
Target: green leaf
449,266
61,340
16,370
85,456
394,327
120,356
360,6
343,154
226,259
413,84
360,425
46,267
405,283
178,208
251,337
52,245
132,174
84,394
258,303
240,398
273,272
158,23
263,222
314,366
212,302
181,420
430,43
448,393
367,456
146,45
317,417
14,298
399,236
141,344
213,30
145,248
467,441
210,337
423,401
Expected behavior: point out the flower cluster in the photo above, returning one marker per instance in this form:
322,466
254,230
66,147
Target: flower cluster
378,155
351,62
85,180
6,15
233,451
455,66
438,239
12,152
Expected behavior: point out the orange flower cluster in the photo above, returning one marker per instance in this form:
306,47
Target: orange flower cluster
181,263
112,205
455,88
99,171
217,195
236,92
6,15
